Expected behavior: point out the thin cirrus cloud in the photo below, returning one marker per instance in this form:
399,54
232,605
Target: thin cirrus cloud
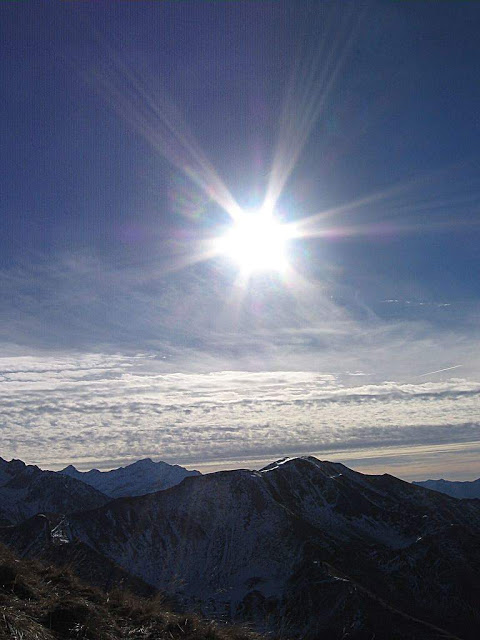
85,302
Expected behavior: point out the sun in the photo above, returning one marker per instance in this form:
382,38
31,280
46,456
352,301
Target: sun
257,241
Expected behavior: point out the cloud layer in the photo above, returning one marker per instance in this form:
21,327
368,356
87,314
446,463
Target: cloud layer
103,364
105,410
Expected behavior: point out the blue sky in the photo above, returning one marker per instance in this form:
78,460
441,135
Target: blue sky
124,126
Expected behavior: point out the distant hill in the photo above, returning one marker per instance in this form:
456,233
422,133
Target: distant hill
139,478
42,602
468,489
26,490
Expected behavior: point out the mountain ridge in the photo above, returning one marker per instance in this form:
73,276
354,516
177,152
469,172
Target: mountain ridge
26,490
140,477
453,488
247,544
302,547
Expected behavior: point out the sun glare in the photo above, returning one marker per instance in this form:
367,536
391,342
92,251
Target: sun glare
257,241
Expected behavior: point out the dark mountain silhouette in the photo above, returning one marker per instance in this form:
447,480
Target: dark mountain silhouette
39,601
468,489
26,490
302,547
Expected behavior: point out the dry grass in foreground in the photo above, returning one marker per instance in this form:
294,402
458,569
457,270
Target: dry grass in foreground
39,602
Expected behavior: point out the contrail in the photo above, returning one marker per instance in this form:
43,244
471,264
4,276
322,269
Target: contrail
439,371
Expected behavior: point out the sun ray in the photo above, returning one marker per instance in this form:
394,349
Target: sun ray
155,117
204,251
311,81
396,209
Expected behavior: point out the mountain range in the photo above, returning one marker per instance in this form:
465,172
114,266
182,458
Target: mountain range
301,548
468,489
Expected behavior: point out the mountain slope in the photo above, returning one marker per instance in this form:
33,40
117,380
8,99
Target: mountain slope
451,488
26,490
305,546
139,478
41,602
45,537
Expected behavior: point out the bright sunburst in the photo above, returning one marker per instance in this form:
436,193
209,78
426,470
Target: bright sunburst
257,241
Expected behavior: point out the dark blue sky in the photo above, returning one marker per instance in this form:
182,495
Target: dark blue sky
405,103
100,216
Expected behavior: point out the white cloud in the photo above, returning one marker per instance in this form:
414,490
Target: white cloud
101,410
